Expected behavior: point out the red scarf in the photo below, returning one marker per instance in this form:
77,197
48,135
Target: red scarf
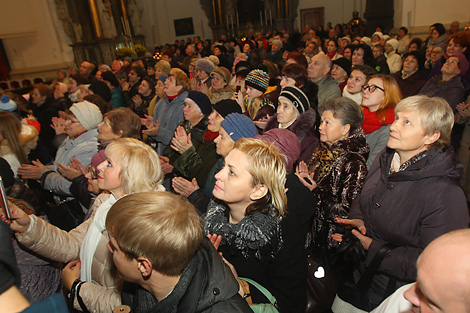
208,136
331,55
372,122
172,97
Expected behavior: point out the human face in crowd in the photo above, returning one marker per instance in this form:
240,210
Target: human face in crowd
407,135
109,175
451,67
252,92
150,70
60,75
115,66
274,48
73,128
160,88
356,80
331,46
166,57
144,88
73,86
92,177
413,47
310,48
436,54
287,81
191,112
375,38
286,113
344,43
240,81
347,53
158,71
410,65
127,268
85,68
358,57
388,48
372,99
217,82
454,48
170,87
317,69
338,73
133,78
234,184
217,51
105,131
98,76
435,34
37,97
223,143
200,74
331,129
214,121
246,48
377,52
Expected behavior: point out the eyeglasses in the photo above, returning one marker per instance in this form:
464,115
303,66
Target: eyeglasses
372,88
92,171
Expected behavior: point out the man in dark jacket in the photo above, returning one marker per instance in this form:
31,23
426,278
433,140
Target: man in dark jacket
157,243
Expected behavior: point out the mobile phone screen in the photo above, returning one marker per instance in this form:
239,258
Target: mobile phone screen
3,200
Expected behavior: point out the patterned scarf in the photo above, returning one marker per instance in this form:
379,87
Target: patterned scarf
322,161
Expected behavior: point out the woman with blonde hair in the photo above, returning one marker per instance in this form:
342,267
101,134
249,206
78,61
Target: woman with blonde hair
380,96
245,217
130,167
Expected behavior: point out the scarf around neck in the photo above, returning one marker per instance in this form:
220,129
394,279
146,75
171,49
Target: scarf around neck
372,122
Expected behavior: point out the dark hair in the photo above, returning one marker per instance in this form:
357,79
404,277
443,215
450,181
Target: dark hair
418,56
99,101
439,28
297,72
368,55
404,29
417,41
379,46
298,57
44,90
365,69
111,78
139,71
80,79
151,81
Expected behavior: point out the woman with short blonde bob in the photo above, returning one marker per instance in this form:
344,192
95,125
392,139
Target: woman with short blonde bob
130,167
411,195
247,209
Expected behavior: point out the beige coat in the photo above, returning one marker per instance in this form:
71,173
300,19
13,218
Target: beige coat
103,294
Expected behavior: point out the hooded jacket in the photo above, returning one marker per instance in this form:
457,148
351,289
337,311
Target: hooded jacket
409,209
206,285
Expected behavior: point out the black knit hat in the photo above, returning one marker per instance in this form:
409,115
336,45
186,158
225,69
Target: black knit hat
110,77
345,64
201,100
101,89
227,106
297,97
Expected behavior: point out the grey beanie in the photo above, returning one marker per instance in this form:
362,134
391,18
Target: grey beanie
87,113
205,65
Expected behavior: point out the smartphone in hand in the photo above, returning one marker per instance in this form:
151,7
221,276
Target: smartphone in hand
4,201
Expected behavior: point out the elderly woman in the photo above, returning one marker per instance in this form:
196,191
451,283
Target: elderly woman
246,212
435,54
81,144
220,89
411,195
394,60
337,169
340,71
413,76
130,167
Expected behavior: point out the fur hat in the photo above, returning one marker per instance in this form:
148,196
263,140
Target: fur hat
227,106
257,79
239,126
297,97
87,113
286,141
201,100
224,73
205,65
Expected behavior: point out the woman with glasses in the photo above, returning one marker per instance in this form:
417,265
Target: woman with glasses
130,166
380,96
337,170
411,195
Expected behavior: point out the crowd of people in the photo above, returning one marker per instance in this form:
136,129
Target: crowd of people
206,177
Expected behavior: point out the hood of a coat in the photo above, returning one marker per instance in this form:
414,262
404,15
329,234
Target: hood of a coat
437,163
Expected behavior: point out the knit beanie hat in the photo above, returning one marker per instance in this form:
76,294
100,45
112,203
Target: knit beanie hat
366,40
463,63
87,113
222,48
224,73
6,173
257,79
101,89
286,141
378,34
297,97
205,65
347,39
394,43
344,63
227,106
213,59
98,158
278,43
162,77
239,126
202,101
6,104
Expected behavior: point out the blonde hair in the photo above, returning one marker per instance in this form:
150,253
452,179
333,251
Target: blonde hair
436,117
266,164
140,165
164,66
253,105
181,79
160,226
10,129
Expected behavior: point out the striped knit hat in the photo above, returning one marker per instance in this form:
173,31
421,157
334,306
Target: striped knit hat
257,79
297,97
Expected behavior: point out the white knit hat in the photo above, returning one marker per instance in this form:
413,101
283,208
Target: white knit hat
87,113
394,43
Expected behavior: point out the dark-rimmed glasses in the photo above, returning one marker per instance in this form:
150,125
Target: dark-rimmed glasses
371,88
